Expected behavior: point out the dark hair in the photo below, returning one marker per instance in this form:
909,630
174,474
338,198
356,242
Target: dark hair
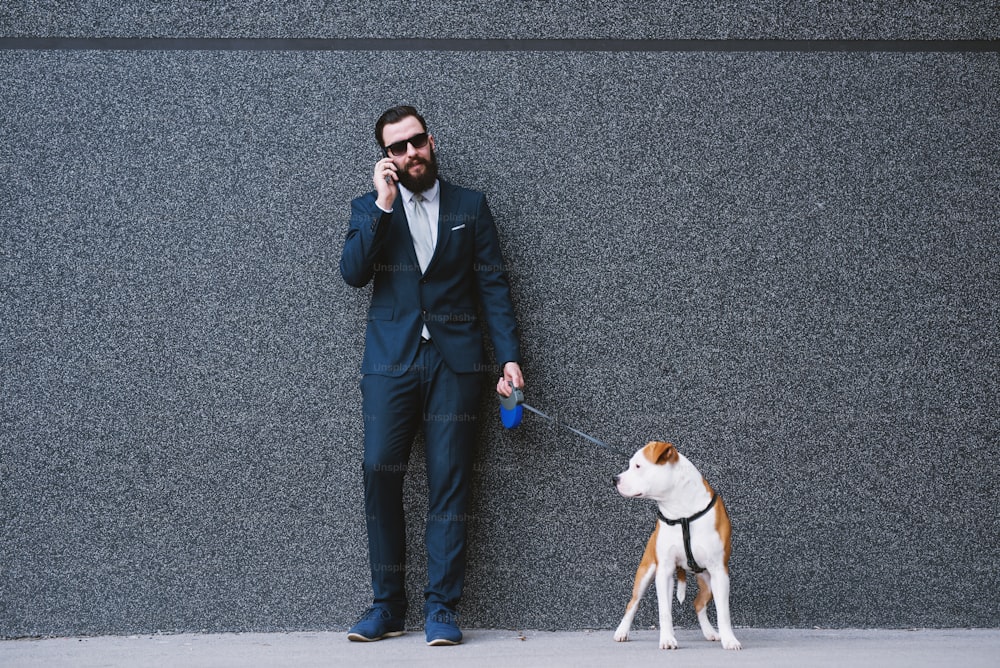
395,115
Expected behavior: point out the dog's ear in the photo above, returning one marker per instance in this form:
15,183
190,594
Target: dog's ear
659,452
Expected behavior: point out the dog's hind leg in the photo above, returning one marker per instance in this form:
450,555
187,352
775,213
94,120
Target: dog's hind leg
701,606
643,576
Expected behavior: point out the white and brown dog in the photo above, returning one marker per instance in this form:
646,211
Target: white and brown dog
692,534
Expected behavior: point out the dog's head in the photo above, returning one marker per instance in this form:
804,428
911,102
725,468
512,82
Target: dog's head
650,471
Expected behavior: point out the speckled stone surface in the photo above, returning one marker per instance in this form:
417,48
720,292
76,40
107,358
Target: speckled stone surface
784,263
631,19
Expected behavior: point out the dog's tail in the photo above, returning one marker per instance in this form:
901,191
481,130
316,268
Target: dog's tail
681,585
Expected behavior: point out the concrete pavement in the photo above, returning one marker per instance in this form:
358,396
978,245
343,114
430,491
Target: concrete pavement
763,648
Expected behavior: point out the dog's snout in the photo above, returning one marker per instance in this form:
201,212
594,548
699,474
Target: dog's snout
614,480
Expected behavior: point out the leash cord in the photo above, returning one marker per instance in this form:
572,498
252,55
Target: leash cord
566,426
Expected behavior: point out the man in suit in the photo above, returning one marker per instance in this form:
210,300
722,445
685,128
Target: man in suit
433,252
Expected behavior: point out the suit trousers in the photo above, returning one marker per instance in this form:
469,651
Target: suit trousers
445,404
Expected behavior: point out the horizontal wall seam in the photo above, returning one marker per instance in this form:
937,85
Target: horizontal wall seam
494,45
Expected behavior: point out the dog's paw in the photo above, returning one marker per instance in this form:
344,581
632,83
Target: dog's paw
621,633
731,643
668,642
711,636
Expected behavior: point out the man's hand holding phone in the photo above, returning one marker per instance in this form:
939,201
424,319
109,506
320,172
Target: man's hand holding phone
385,183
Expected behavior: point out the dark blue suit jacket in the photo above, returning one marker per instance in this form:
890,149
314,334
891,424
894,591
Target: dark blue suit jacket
466,272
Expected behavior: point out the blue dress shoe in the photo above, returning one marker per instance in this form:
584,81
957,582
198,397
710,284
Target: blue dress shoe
377,623
442,628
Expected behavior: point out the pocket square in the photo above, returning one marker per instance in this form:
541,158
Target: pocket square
458,227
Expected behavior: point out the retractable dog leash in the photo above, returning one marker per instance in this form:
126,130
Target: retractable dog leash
512,412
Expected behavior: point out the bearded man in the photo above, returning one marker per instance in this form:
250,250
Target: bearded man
432,250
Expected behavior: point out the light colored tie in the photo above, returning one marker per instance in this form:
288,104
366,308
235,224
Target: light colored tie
423,240
420,230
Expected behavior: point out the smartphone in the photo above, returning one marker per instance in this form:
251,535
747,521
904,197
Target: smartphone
385,154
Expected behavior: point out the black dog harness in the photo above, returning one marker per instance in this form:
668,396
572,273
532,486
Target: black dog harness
685,523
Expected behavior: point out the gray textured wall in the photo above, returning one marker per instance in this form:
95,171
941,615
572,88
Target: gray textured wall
786,263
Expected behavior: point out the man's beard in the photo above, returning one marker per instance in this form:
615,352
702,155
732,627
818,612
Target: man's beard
424,182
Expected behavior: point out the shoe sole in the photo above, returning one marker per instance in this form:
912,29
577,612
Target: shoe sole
443,642
357,637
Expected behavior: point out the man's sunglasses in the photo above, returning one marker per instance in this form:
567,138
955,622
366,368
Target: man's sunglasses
398,149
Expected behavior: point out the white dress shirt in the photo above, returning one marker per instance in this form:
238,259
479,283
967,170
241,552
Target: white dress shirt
432,205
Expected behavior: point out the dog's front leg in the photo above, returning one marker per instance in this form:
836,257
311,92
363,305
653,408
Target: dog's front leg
720,591
664,598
